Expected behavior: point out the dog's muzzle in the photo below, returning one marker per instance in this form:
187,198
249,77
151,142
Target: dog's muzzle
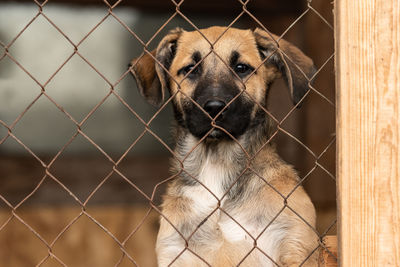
216,118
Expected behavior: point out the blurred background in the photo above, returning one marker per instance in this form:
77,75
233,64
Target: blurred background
76,51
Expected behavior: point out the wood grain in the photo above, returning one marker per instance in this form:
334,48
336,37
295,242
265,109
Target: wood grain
82,244
328,254
368,117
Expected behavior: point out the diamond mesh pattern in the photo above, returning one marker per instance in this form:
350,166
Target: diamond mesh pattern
115,170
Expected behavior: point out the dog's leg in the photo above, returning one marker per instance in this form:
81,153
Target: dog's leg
295,254
176,241
301,240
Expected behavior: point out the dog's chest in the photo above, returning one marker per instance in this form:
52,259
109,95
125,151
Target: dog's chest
209,198
218,221
224,210
213,178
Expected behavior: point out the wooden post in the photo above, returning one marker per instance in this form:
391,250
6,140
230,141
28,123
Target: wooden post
368,119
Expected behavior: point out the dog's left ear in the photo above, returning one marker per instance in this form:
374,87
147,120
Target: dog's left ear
151,76
294,65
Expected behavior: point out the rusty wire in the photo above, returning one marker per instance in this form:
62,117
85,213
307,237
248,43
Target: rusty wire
115,163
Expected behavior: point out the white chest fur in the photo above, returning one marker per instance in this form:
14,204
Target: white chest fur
209,190
234,224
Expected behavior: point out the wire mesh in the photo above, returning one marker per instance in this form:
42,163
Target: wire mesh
115,170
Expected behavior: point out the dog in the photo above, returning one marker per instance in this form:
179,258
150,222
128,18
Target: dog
232,201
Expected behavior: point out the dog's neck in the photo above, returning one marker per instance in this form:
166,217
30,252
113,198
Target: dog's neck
223,161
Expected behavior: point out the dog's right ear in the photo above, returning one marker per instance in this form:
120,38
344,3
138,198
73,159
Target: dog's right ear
150,69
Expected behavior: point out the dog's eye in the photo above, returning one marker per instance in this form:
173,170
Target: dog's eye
243,69
191,69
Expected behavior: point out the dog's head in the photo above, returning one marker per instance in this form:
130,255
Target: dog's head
218,78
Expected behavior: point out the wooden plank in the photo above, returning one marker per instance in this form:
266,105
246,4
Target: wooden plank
328,255
368,116
82,244
81,174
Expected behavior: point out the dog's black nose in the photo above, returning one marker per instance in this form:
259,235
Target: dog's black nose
213,107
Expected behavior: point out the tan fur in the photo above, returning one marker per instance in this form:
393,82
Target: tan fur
222,209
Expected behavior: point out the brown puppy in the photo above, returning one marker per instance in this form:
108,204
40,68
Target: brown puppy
233,201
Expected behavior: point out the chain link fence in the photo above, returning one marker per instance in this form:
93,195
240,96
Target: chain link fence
151,198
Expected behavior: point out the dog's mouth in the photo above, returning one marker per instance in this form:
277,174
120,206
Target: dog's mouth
217,133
